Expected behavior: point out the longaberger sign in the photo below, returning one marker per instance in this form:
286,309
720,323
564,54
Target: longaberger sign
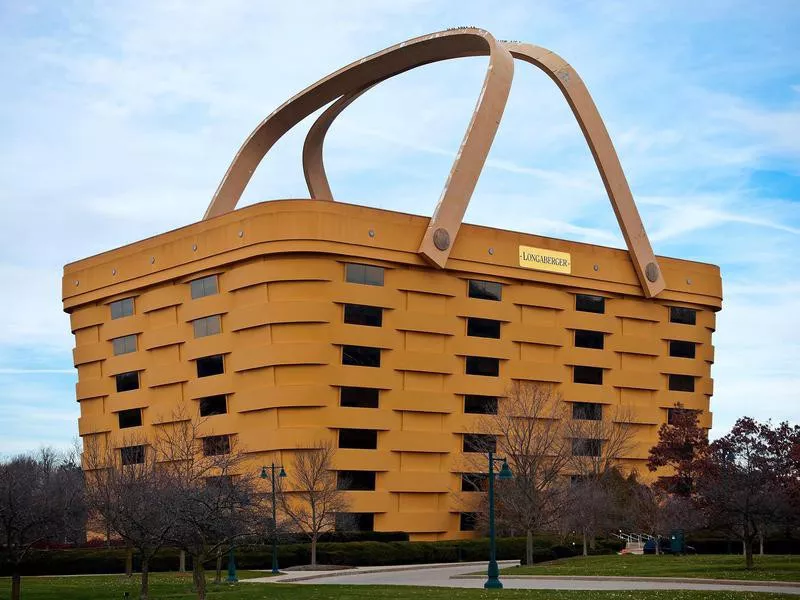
545,260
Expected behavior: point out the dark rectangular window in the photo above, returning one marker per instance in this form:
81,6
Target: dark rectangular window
587,411
358,397
213,405
679,314
485,290
473,482
124,345
682,349
122,308
206,326
592,304
586,447
364,274
361,356
468,521
681,383
206,286
210,365
357,314
481,365
360,439
591,375
127,381
589,339
132,455
354,522
673,414
215,445
480,405
130,418
485,328
479,442
355,481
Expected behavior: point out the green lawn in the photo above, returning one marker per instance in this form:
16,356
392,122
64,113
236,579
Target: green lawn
178,587
721,566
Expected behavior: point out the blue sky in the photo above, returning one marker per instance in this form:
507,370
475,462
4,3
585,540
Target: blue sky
118,119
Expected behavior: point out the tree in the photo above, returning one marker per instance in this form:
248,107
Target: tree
681,446
530,423
314,500
737,486
40,496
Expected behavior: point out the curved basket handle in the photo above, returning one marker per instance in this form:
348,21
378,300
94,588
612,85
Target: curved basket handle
377,67
446,220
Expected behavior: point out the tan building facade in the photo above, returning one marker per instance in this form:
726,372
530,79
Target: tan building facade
291,322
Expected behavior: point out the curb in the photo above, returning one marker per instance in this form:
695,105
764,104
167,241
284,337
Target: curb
701,580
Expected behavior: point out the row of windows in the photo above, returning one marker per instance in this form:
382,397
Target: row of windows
213,445
205,286
209,406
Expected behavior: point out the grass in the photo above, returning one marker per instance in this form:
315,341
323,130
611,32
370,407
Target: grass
174,586
713,566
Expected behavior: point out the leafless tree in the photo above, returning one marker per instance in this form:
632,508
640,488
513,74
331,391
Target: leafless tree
314,499
530,424
40,496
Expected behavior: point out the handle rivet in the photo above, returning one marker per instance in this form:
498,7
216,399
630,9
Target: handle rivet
152,260
113,271
441,239
596,267
241,233
651,272
372,233
491,251
194,247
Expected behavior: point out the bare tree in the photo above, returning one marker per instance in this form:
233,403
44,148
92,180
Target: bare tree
530,423
314,500
39,496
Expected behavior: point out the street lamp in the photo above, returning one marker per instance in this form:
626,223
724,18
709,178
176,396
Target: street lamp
493,581
264,475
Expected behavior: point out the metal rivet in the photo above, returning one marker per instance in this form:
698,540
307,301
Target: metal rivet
596,267
371,233
651,272
152,260
689,281
441,239
77,283
491,251
194,247
241,234
113,271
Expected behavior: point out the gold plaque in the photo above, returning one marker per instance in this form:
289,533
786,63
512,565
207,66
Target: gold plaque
545,260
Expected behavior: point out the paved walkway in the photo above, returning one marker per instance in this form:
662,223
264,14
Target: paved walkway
454,575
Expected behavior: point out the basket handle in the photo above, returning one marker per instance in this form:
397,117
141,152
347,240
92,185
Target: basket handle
446,220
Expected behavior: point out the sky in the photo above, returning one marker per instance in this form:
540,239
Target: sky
118,120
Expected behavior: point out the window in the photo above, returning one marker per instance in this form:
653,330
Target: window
215,445
682,349
361,356
359,439
679,314
587,411
130,418
485,290
591,375
586,447
207,286
481,365
213,405
355,481
132,455
592,304
473,482
589,339
479,442
354,522
124,345
127,382
207,326
681,383
674,414
364,274
358,397
468,521
485,328
210,365
122,308
480,405
356,314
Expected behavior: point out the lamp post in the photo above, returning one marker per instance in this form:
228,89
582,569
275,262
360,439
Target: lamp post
493,580
264,475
